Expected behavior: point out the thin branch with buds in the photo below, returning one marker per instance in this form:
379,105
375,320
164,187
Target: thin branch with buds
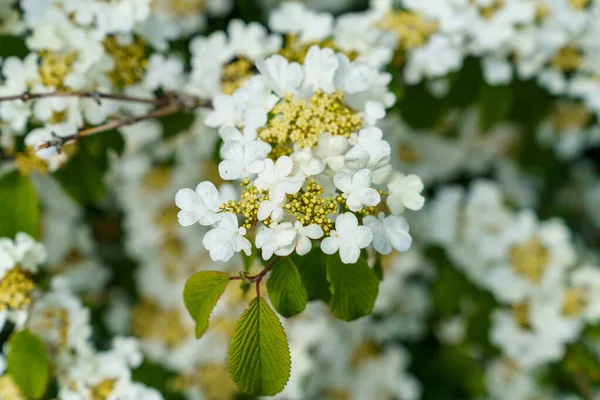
168,106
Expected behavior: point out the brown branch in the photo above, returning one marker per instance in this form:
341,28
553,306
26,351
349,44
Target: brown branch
59,141
258,277
96,96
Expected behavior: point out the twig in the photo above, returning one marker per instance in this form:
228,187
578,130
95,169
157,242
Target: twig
96,96
59,141
256,278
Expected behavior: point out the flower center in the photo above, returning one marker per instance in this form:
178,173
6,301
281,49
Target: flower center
570,115
148,321
54,67
15,290
566,59
530,259
574,302
28,162
302,122
130,61
295,51
235,74
102,390
310,207
520,313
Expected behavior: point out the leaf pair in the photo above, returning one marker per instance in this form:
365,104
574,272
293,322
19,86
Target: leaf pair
258,358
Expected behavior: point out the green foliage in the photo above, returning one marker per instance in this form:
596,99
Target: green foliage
313,272
19,209
201,293
286,291
83,176
354,288
28,364
259,357
13,46
494,104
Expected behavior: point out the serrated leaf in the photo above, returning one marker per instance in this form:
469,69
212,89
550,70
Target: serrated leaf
19,209
286,291
200,295
28,364
259,358
313,272
354,288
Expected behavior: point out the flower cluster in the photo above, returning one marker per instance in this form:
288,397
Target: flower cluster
303,142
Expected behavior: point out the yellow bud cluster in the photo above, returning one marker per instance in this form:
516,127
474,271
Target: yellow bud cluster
235,74
54,67
570,115
248,205
295,51
410,28
310,207
130,61
567,59
15,290
148,320
28,162
530,259
302,122
520,313
574,302
103,390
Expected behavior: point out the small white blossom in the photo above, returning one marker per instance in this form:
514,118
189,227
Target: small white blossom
306,164
303,236
347,238
201,205
280,75
331,150
277,239
356,189
388,232
242,159
226,239
276,178
405,191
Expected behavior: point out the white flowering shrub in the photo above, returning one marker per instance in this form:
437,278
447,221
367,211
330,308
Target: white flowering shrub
209,199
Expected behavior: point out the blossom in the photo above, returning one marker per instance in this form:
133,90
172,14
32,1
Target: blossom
319,69
307,164
388,232
226,238
201,205
347,238
331,150
242,159
303,236
280,75
356,189
277,239
276,178
405,191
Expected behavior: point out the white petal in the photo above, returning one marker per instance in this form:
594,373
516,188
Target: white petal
303,246
368,196
362,178
363,236
346,222
189,217
349,253
231,170
209,194
187,199
313,231
343,181
329,245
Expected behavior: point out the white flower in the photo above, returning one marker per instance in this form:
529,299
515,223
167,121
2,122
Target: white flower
303,236
405,191
388,232
276,178
280,75
331,149
347,238
200,206
370,151
271,209
251,40
24,252
279,239
163,72
307,164
242,159
356,189
226,239
319,69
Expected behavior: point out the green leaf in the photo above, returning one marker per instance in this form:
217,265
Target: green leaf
378,267
82,178
494,104
19,208
13,46
248,259
354,288
200,295
313,272
259,357
286,291
28,364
